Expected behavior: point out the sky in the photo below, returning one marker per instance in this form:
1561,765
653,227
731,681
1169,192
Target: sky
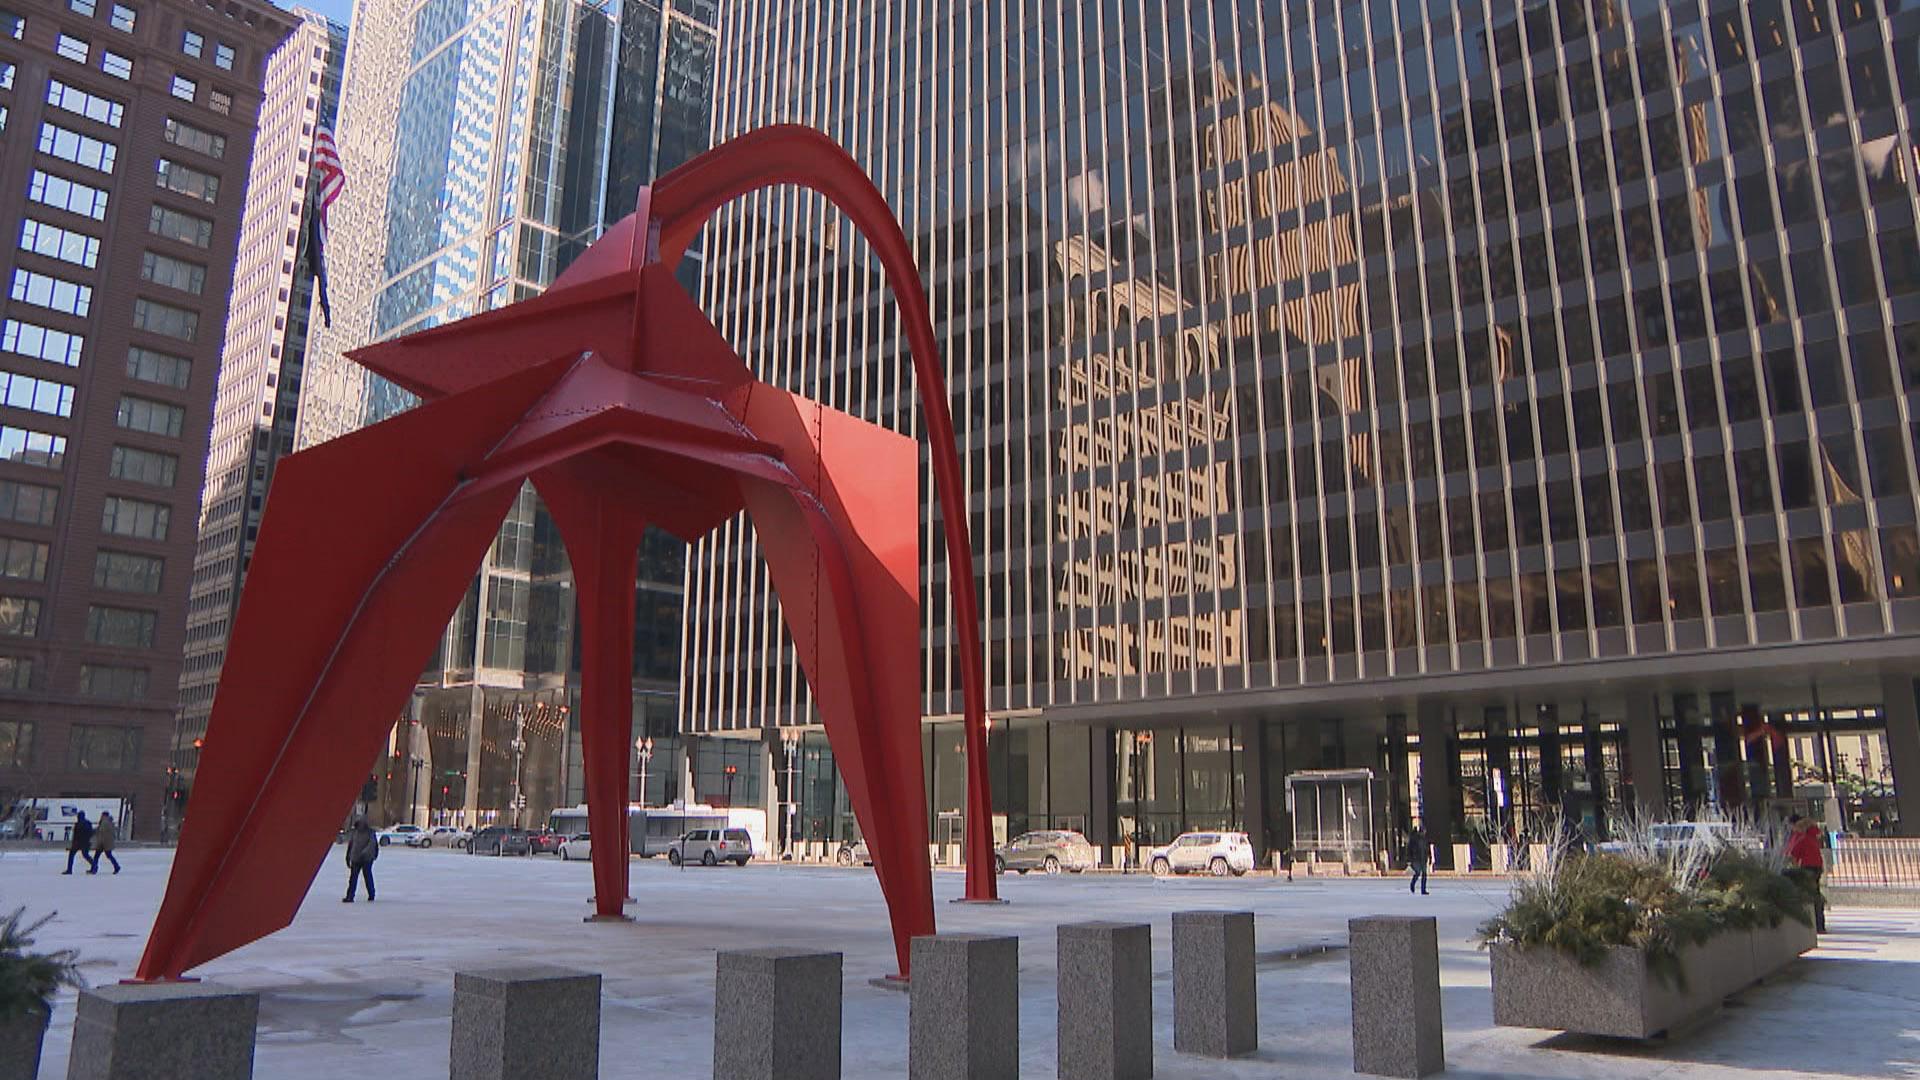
340,11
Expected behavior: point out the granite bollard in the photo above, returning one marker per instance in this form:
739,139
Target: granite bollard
525,1022
776,1015
965,1008
1106,1001
1215,1003
161,1031
1395,976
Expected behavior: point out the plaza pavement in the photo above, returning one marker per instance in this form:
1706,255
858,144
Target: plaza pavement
366,990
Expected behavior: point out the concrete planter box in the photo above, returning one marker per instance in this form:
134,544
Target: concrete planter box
20,1040
1620,996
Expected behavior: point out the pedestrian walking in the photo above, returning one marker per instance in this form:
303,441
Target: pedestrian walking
103,837
362,848
1805,862
80,842
1419,855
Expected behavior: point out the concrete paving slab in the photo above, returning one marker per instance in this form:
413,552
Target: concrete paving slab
367,989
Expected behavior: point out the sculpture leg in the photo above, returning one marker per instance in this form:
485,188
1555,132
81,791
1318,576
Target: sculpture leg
603,545
358,566
845,563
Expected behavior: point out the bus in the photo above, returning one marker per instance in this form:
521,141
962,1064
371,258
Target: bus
652,829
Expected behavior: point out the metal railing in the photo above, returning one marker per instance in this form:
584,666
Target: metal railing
1874,862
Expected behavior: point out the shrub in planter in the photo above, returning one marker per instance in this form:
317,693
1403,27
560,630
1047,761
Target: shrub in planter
28,981
1605,943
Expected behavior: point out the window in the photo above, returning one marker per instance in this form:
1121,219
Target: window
84,7
173,273
202,142
192,44
143,466
30,504
73,48
223,56
152,417
175,225
184,88
35,395
19,616
123,18
126,627
83,150
6,75
63,194
164,319
107,681
41,342
158,367
120,67
99,748
136,518
57,294
124,571
57,243
16,673
30,447
188,181
23,560
92,106
16,736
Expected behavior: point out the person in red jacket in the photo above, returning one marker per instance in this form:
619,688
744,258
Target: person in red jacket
1806,862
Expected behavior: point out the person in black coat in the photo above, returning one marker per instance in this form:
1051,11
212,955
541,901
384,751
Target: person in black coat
80,842
362,848
1419,854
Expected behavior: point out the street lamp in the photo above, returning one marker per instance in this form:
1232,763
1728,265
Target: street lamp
519,747
730,771
643,755
790,739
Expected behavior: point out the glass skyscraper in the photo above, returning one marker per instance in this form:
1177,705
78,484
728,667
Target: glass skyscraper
485,145
1501,407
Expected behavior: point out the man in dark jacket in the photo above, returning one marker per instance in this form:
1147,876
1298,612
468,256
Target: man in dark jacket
80,842
362,848
1419,854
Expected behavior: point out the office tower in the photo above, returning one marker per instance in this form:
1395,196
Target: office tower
259,376
484,148
1450,412
127,129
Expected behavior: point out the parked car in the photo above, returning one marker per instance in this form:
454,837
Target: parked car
709,847
445,836
1052,851
1217,853
401,834
577,846
854,853
500,840
545,842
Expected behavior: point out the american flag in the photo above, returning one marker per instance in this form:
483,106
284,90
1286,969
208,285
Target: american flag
329,180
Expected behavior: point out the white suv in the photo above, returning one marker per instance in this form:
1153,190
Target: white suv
710,847
1217,853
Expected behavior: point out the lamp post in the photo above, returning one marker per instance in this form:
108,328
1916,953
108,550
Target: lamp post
729,772
519,747
790,739
643,755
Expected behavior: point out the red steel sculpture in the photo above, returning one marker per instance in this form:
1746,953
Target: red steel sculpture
625,407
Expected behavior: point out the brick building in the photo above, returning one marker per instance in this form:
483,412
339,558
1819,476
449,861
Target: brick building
125,133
